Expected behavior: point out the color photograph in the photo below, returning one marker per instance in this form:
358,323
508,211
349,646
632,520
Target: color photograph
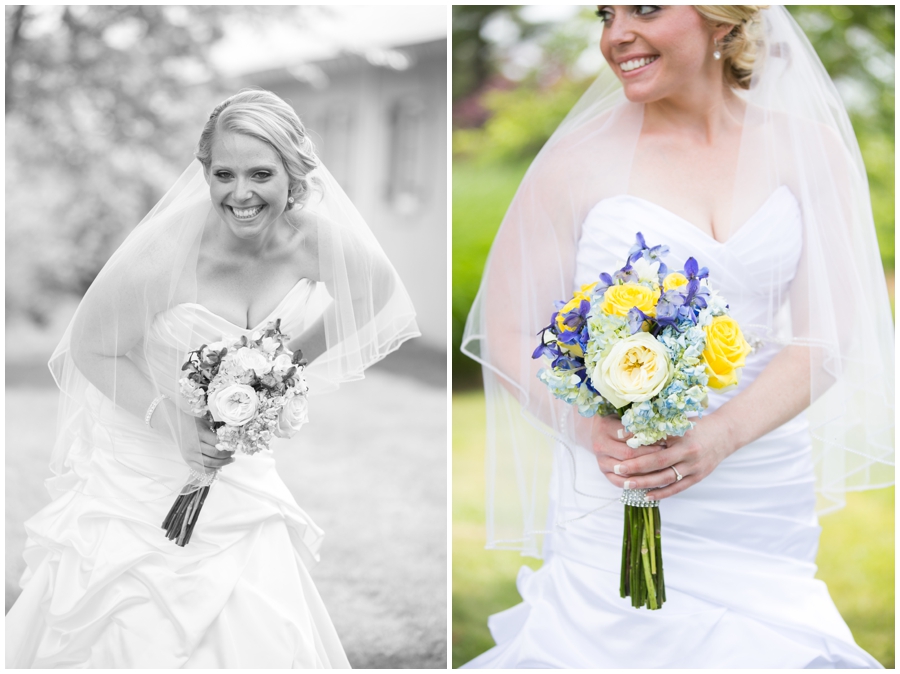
673,340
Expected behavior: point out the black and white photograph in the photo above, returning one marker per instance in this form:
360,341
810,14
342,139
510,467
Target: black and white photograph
226,336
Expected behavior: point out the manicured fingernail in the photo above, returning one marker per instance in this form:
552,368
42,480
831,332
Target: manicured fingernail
620,434
617,469
629,484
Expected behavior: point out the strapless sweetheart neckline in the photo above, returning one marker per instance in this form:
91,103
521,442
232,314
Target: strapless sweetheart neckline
691,226
269,316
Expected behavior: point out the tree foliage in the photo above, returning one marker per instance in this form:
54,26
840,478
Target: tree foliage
103,108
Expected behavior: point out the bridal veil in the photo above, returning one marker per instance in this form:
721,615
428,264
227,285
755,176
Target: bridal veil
795,132
361,305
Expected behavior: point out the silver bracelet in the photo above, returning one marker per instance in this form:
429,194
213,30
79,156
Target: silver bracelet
156,401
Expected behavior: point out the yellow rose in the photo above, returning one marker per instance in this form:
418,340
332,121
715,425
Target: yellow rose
574,303
618,300
634,370
725,351
674,280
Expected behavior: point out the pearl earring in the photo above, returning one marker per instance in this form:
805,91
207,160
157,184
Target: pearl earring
716,54
290,200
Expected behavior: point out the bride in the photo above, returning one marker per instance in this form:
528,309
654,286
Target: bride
716,132
255,231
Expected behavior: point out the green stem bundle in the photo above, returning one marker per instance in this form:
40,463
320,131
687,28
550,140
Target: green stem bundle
642,567
179,523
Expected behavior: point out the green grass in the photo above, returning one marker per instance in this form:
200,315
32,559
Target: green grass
481,195
856,553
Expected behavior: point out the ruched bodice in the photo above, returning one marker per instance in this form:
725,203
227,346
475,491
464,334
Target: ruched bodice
739,547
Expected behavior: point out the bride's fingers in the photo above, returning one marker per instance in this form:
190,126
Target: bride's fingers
639,461
662,478
620,452
216,458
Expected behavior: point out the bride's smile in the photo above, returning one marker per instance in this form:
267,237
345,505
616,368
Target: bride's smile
660,52
248,184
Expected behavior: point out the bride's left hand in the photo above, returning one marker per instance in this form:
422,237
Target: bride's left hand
695,455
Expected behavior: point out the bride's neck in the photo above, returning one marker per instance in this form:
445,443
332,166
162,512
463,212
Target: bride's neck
704,115
253,248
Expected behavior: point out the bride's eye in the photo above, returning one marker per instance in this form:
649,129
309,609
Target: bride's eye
222,175
646,10
605,14
262,175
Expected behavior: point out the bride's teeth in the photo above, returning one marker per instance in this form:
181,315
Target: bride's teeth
636,63
246,212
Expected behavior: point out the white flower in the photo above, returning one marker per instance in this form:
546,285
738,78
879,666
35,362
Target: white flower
646,271
234,404
270,345
282,364
256,335
216,346
717,304
635,369
251,359
292,416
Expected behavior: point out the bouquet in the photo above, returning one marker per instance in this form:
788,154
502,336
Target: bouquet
648,345
249,390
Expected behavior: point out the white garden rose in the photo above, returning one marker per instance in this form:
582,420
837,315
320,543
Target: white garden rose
234,404
636,369
250,359
292,416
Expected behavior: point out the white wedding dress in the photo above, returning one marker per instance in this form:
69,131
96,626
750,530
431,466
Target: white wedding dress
104,588
739,547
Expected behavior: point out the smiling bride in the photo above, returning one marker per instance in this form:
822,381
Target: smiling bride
716,132
255,232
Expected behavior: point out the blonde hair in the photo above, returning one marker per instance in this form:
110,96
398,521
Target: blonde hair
266,117
739,48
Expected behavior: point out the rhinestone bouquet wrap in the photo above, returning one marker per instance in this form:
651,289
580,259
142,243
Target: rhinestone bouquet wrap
249,390
646,344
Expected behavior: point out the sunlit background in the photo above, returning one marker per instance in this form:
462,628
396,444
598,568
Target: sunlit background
104,106
517,70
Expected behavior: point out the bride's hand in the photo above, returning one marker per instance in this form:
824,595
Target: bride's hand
198,449
609,438
694,456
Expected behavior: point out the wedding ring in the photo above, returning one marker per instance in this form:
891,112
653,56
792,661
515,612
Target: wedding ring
678,475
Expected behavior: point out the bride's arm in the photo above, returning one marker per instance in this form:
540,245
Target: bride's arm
775,397
109,324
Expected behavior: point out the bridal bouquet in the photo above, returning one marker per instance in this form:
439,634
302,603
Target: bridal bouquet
647,344
249,390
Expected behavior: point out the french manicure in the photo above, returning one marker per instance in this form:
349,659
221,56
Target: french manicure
617,469
629,484
620,434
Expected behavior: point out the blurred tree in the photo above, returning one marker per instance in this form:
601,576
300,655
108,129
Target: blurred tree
474,55
103,106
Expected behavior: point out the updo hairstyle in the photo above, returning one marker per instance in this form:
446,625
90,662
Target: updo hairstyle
739,48
266,117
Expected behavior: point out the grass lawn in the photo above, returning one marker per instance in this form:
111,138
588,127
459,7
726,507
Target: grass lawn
481,195
856,553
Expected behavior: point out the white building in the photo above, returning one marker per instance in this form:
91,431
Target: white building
379,122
